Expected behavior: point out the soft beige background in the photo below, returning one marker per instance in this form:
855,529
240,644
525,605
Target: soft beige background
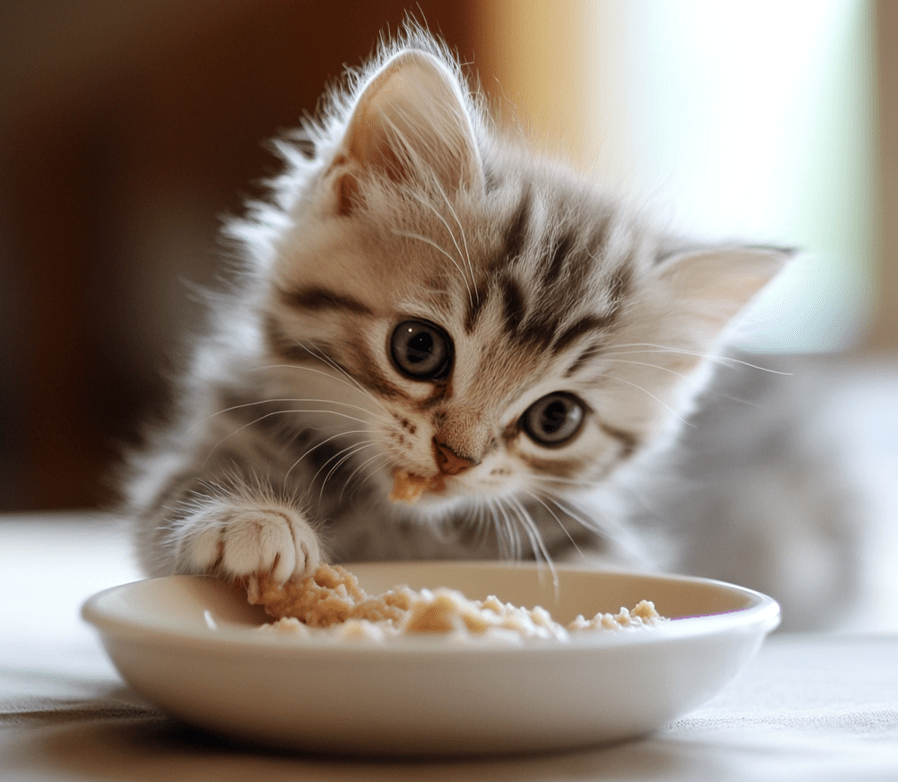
769,121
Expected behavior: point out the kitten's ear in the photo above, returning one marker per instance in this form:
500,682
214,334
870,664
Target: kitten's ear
410,123
713,285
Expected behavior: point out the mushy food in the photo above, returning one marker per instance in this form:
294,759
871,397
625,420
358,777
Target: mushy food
331,602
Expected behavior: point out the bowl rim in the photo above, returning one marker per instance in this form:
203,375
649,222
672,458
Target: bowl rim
760,615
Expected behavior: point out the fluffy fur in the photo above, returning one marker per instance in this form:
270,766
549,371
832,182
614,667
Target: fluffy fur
575,338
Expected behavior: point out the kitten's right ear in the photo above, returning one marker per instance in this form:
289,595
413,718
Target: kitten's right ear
410,123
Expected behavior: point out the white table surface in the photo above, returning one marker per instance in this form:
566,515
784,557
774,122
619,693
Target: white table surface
809,707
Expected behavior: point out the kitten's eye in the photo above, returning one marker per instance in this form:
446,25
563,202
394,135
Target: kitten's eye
554,419
421,350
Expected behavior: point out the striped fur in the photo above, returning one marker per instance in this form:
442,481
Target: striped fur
294,417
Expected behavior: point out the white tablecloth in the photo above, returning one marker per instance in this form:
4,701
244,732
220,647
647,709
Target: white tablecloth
810,707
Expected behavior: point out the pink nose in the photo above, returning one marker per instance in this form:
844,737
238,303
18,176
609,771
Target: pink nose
449,462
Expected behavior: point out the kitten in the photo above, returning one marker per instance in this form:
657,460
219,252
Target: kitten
429,309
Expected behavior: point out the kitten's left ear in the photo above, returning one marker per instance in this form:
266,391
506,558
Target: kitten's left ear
713,285
410,123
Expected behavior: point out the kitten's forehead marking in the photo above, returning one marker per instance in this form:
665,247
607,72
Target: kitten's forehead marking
511,248
516,233
557,256
317,298
548,273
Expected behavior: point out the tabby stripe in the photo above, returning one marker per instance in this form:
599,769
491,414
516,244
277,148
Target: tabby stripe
513,309
370,376
599,239
559,254
316,298
617,292
516,234
280,343
560,468
476,305
628,441
538,333
586,325
619,286
588,353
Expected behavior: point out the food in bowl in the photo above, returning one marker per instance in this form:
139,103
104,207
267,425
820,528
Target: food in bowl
331,602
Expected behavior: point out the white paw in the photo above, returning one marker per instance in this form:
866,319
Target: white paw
245,540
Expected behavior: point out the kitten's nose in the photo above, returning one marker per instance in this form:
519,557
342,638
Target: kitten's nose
449,462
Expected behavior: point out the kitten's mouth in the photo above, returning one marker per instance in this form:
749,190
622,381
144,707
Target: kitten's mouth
408,487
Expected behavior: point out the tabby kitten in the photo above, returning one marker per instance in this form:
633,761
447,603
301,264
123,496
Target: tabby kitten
442,346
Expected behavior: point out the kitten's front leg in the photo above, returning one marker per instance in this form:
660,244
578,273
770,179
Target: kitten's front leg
241,537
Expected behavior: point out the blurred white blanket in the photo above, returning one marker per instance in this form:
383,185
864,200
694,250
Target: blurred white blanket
810,707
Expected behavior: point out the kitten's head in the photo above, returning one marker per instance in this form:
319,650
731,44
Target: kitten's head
486,322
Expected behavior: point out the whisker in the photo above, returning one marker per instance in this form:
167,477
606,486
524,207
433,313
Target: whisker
319,445
508,537
348,482
619,535
295,400
535,539
646,364
440,249
552,513
341,457
350,381
485,521
461,229
353,385
268,415
716,358
576,482
646,391
425,202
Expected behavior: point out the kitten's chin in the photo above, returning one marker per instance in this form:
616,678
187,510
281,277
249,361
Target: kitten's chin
435,497
437,505
428,497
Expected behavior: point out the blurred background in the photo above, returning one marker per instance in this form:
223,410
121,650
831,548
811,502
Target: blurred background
130,128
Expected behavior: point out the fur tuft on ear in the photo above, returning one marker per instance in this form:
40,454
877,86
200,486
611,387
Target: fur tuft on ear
410,123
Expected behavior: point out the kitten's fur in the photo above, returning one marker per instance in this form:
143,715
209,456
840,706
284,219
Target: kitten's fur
410,207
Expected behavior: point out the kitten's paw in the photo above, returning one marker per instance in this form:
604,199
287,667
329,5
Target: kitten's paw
244,541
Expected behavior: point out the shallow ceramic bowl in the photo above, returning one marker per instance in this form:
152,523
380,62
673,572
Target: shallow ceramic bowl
190,645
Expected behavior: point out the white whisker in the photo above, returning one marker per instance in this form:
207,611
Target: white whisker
649,393
296,400
318,445
362,465
508,536
461,229
581,483
268,415
440,249
340,458
646,364
536,540
713,357
552,513
355,385
350,381
619,535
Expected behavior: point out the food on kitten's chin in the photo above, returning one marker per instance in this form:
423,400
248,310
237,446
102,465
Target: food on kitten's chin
408,487
332,601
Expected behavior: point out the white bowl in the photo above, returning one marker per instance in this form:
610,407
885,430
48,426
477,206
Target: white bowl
189,644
